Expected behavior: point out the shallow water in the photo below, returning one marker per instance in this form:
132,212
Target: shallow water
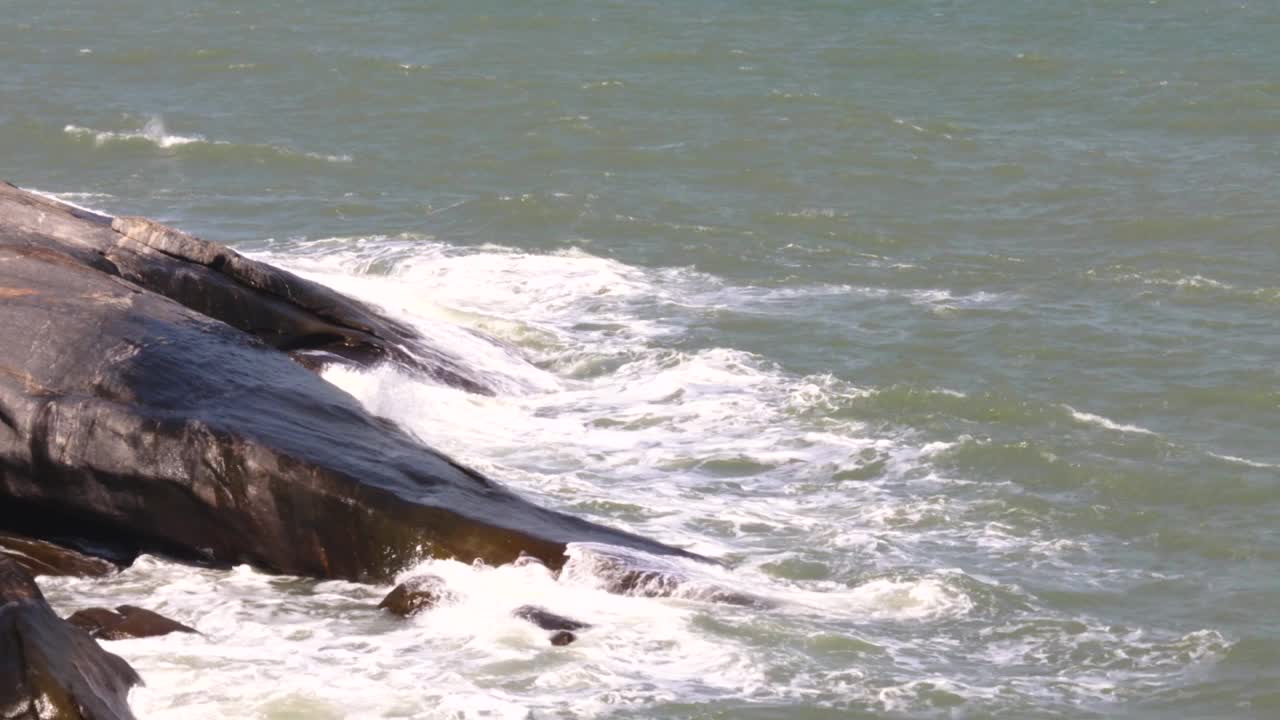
950,326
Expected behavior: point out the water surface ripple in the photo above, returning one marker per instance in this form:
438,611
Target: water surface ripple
950,326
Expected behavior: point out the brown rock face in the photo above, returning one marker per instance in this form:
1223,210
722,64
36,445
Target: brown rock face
44,558
125,622
415,595
148,403
49,669
93,620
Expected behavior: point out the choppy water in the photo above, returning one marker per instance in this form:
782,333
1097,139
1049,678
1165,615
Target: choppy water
950,325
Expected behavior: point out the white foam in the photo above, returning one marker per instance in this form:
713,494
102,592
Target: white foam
1169,278
927,599
1091,419
329,158
1245,461
153,132
939,299
711,448
272,645
69,198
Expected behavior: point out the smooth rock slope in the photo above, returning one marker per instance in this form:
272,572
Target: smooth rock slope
149,403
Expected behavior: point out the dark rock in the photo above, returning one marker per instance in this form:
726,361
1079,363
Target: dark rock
125,622
49,669
148,404
415,595
562,638
44,558
548,620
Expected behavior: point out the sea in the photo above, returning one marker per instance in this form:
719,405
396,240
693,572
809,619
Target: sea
949,326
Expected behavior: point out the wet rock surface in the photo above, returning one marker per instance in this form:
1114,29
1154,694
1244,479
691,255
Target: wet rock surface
38,557
125,623
416,595
148,403
50,669
564,628
548,620
561,638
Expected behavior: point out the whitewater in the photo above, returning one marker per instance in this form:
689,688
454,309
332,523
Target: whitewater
948,328
831,523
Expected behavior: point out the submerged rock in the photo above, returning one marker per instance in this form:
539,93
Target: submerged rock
125,623
45,558
564,627
562,638
148,403
622,571
548,620
50,669
415,595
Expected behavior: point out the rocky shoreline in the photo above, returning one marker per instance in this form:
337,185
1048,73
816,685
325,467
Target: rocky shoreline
158,395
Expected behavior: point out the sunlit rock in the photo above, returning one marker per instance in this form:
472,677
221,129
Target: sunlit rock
148,403
416,595
125,622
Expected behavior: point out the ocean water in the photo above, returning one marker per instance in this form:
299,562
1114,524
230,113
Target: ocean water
950,326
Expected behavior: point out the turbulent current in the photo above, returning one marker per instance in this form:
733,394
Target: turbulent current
949,327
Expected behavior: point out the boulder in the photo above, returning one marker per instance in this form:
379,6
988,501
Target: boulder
50,669
560,638
148,404
562,626
125,623
415,595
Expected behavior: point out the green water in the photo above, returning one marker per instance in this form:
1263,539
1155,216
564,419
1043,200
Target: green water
1021,257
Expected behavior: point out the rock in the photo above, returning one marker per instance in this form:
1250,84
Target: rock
415,595
50,669
125,623
548,620
287,312
93,620
38,557
148,404
562,638
622,571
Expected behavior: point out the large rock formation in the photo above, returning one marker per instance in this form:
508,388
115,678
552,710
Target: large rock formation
148,403
49,669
